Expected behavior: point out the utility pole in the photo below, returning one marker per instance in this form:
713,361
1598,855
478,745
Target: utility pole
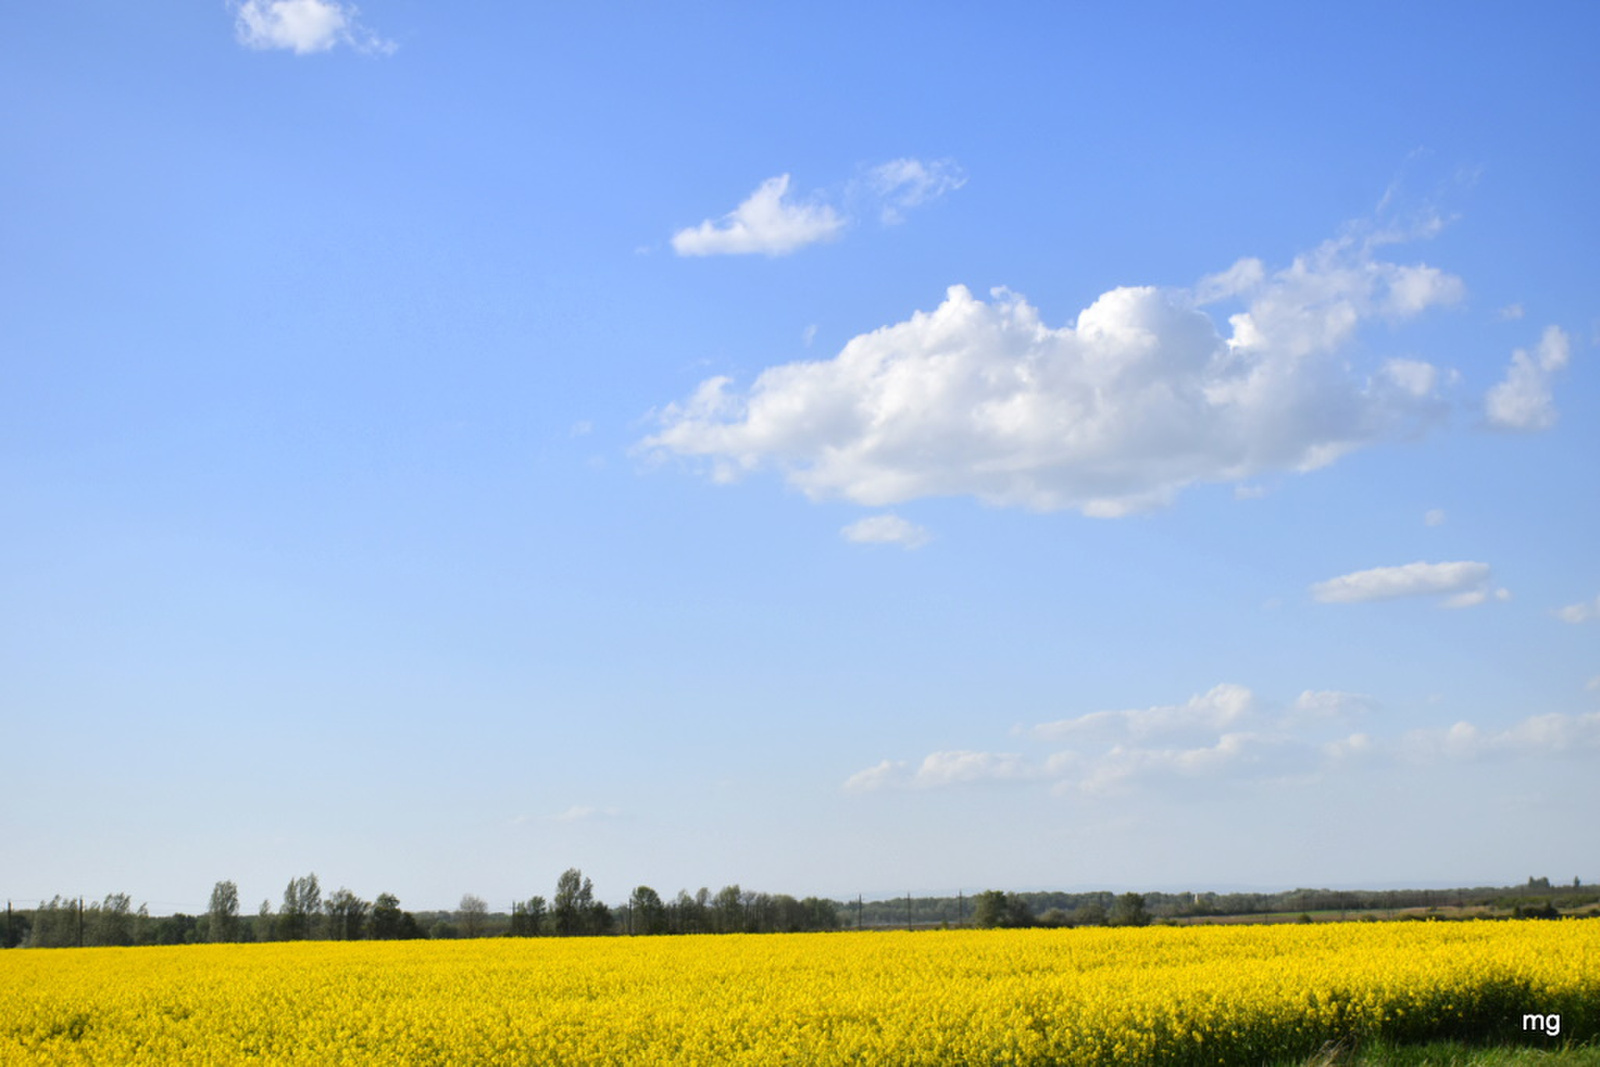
961,910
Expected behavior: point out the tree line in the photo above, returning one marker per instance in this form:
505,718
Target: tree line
306,913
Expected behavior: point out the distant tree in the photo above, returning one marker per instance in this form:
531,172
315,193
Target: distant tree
688,914
443,930
111,921
528,919
820,914
266,925
472,914
389,923
573,903
598,920
1129,911
992,908
347,915
649,914
727,910
385,917
223,914
302,904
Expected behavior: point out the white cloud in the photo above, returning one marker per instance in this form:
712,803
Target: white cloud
1222,706
1138,399
1328,705
941,769
1524,400
1466,580
1227,736
304,26
886,530
1434,517
902,184
1552,734
766,223
1509,313
1580,612
1593,684
1249,492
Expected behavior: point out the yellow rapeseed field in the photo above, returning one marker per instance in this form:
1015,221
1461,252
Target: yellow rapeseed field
1237,994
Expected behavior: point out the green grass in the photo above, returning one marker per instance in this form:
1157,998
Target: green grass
1454,1054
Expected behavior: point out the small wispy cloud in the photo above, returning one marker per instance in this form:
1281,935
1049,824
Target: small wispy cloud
768,222
771,222
1509,313
1434,517
304,26
902,184
1464,584
886,530
1580,612
1524,401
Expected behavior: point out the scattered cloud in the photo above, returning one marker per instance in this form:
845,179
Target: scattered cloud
1224,705
1434,517
1141,397
1226,735
304,26
1583,611
1465,583
1524,400
770,223
1250,492
809,334
1550,734
1593,684
581,428
767,223
886,530
902,184
1509,313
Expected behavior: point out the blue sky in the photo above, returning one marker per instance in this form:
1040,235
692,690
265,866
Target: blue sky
827,450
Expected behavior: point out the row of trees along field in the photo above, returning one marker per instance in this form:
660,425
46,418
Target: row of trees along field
306,913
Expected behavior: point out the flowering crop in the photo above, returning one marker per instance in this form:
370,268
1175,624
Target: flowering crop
1241,994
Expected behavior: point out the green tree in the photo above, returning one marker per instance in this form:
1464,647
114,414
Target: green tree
573,903
727,910
993,909
649,914
528,919
347,915
1129,910
302,904
223,915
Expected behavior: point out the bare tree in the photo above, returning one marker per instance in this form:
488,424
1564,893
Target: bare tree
472,915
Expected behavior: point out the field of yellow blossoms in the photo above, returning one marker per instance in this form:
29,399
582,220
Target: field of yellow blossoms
1224,994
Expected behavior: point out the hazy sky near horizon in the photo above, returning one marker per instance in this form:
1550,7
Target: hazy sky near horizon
836,449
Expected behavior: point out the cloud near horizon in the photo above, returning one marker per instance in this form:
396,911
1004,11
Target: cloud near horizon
1464,584
304,26
1142,397
1224,736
